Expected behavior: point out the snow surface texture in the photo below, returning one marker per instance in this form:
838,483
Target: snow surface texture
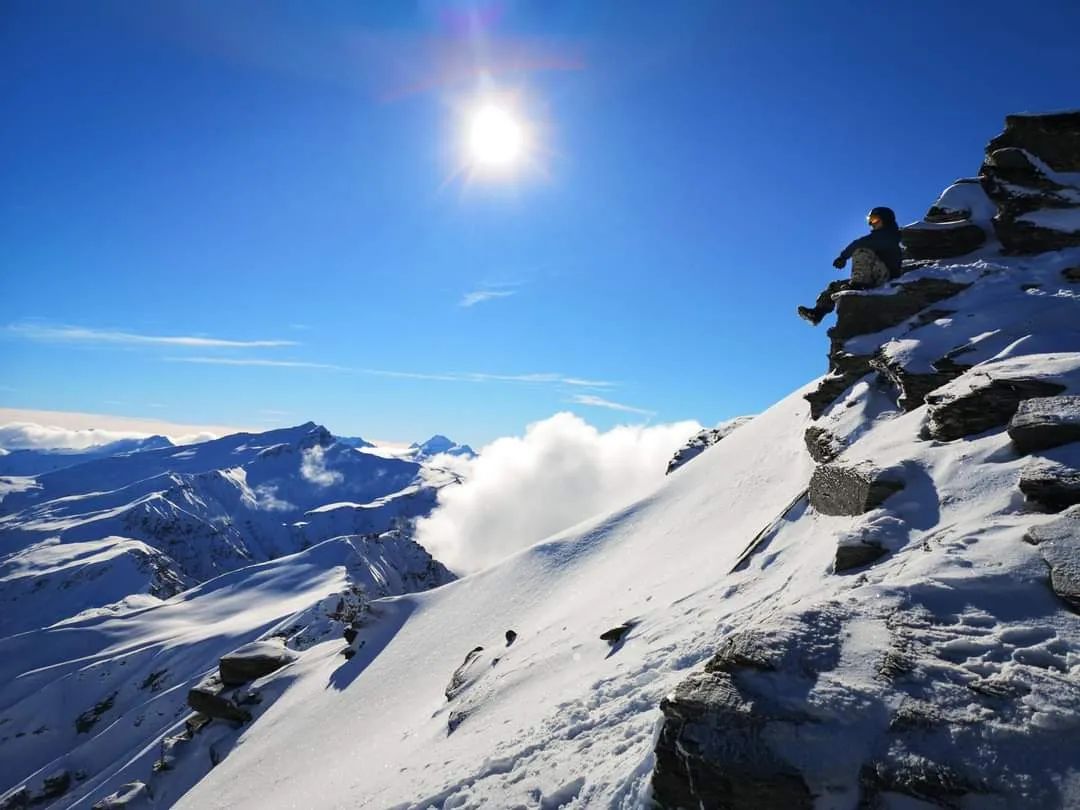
959,605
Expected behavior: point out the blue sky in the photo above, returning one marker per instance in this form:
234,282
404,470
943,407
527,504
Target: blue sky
288,175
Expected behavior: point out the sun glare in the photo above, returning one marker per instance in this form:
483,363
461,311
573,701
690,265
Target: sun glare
496,138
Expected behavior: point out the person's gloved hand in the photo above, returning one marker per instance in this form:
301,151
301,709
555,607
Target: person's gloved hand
838,263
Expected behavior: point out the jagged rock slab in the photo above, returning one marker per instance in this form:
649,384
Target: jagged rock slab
1053,485
866,314
839,489
702,441
822,445
930,240
205,699
855,554
987,405
1053,137
1040,424
253,661
913,387
464,674
1059,545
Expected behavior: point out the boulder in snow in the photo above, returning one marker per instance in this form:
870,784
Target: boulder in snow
866,313
986,403
941,240
206,699
855,554
128,795
822,445
464,674
1050,484
1039,424
253,660
1059,545
840,489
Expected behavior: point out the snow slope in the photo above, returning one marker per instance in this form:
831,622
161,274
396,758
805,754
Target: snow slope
562,718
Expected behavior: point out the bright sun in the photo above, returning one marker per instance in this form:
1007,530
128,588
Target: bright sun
496,139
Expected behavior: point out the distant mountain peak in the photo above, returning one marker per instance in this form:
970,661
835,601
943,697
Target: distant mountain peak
440,444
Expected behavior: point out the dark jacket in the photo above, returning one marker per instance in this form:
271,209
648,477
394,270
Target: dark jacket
884,242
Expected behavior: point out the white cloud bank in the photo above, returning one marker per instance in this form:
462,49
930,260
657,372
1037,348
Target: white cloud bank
65,430
520,490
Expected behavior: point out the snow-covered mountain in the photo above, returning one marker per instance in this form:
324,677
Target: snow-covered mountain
26,461
438,444
864,597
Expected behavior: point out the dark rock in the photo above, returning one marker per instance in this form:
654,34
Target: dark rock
913,387
1020,236
866,314
460,679
831,387
712,752
253,661
207,701
126,796
1059,546
1040,424
822,445
702,441
86,721
511,636
941,241
1054,486
455,719
921,779
54,786
837,489
17,800
616,634
1071,274
1053,137
724,728
989,405
856,554
350,634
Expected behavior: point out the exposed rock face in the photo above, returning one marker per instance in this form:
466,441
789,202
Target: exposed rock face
702,441
1055,138
1055,486
912,386
1026,173
1040,424
822,445
206,699
837,489
717,747
253,661
868,313
985,406
461,677
1059,545
941,240
856,554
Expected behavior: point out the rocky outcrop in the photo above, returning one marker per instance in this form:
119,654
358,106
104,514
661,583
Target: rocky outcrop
1026,173
928,240
855,554
1040,424
253,661
1052,485
838,489
617,634
463,675
867,313
913,387
1059,545
987,404
822,445
724,728
702,441
207,699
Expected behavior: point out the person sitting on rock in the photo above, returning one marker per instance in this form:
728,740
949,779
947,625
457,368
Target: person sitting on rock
875,258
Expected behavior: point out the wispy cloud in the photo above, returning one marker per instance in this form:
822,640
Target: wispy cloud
600,402
80,334
479,296
544,378
255,361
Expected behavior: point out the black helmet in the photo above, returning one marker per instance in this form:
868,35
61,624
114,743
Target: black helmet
886,215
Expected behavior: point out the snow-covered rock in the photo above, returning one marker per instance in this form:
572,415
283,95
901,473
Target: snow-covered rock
702,441
438,445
